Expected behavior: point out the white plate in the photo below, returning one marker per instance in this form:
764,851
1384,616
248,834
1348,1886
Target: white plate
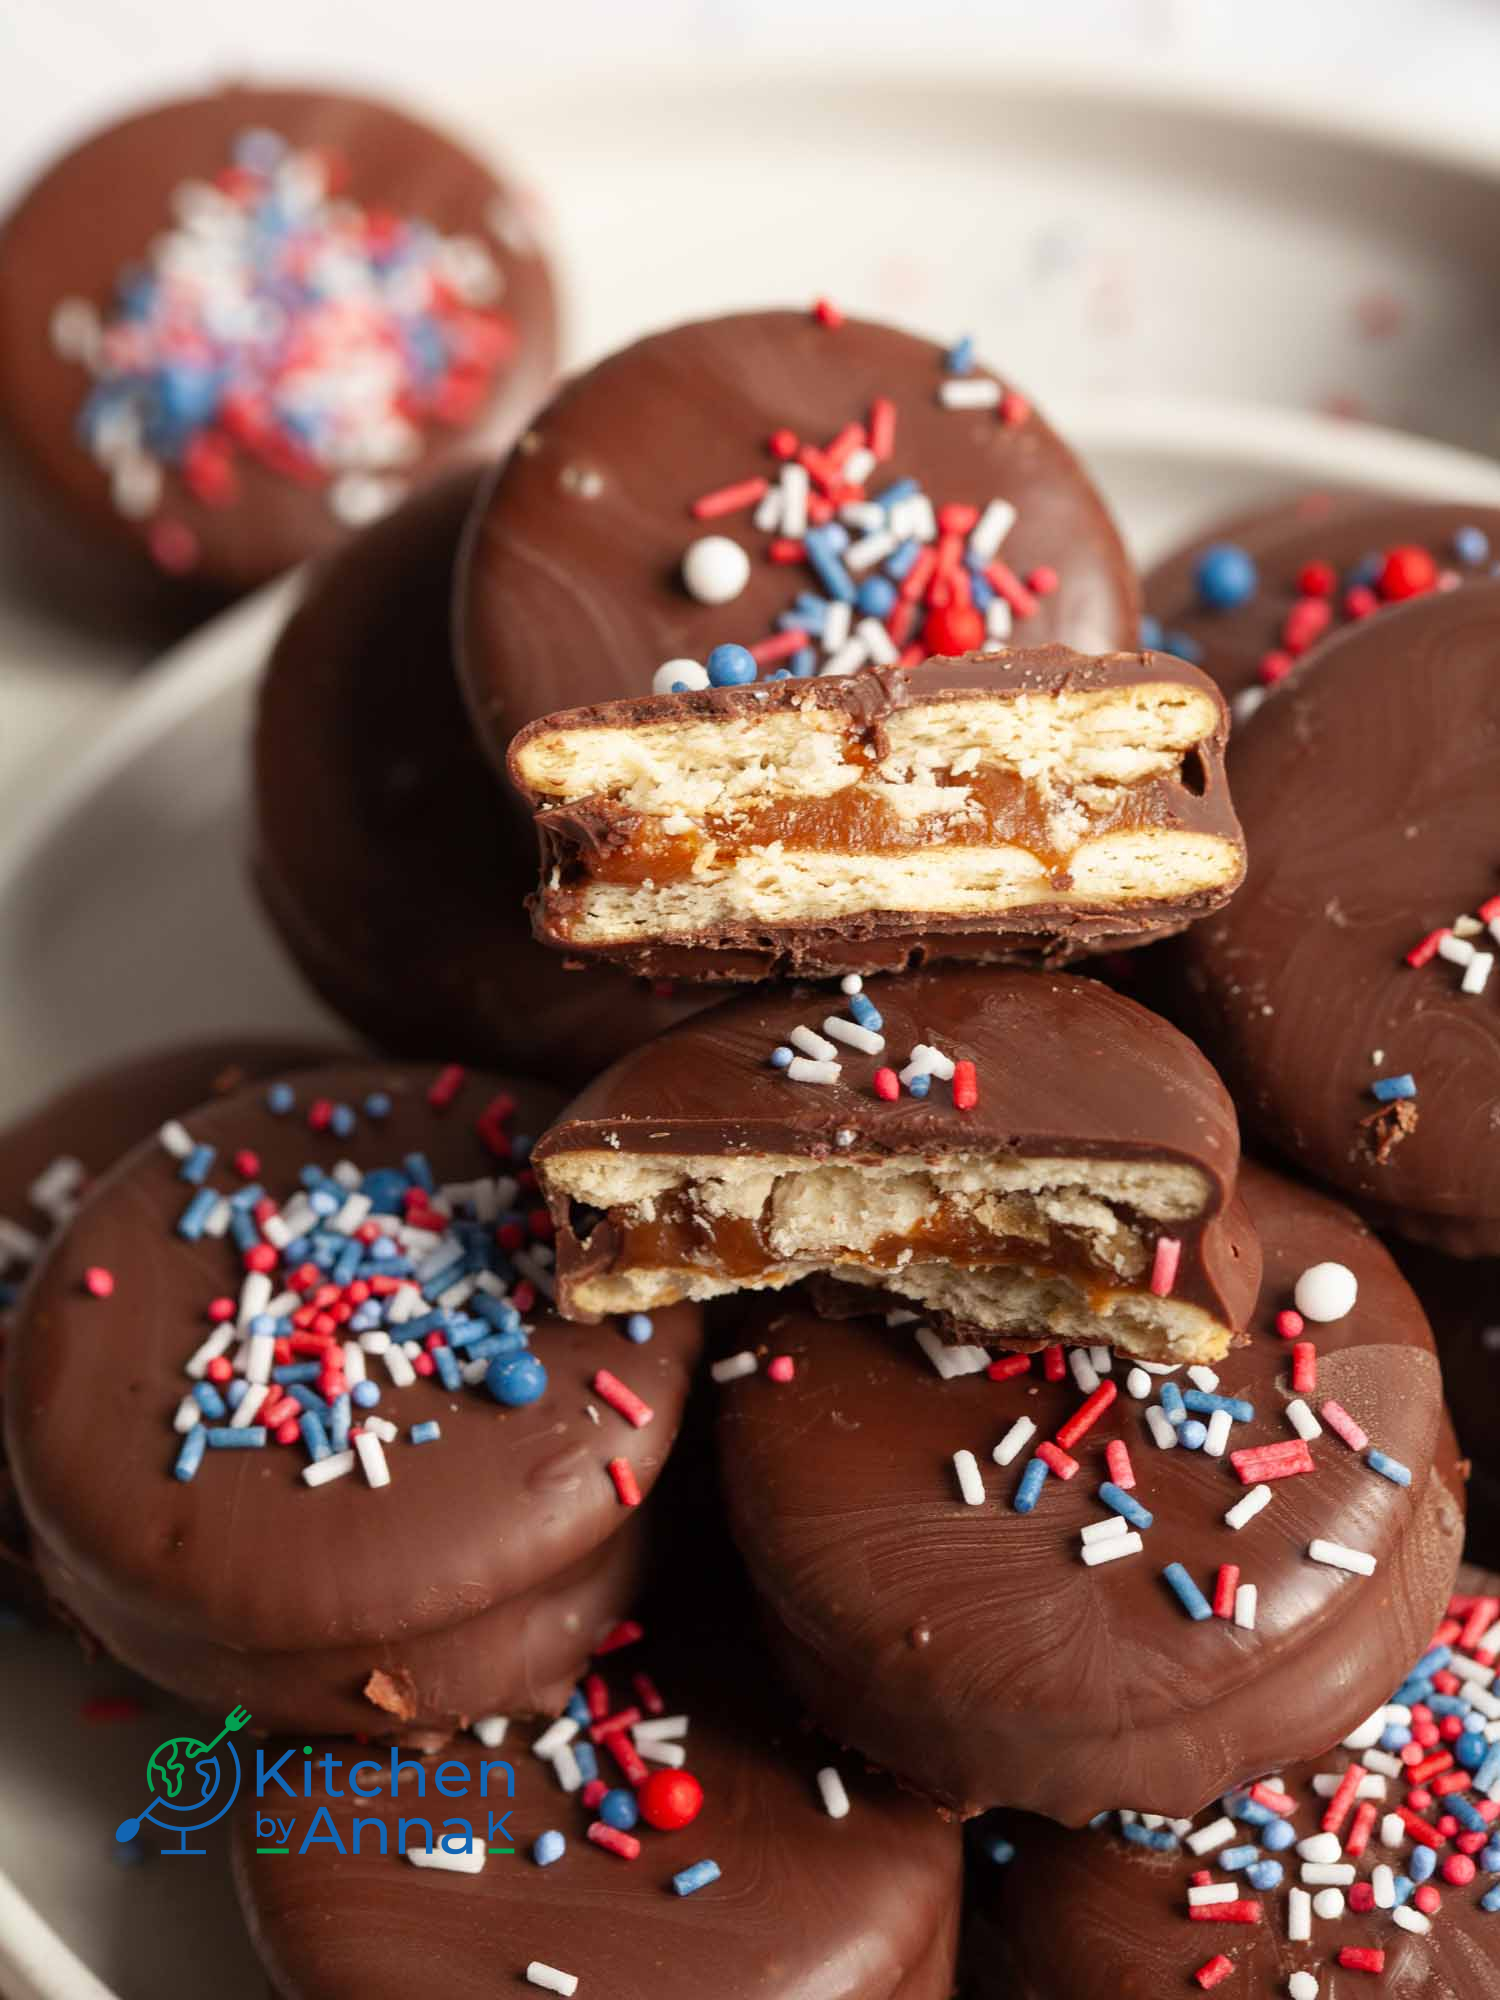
1099,236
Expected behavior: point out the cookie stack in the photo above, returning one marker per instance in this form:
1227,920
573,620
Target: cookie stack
766,752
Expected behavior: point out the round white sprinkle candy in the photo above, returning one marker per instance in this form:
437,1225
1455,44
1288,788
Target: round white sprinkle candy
679,673
851,983
1138,1382
490,1729
1329,1904
466,1860
1301,1985
715,570
970,1482
1320,1847
1326,1292
831,1788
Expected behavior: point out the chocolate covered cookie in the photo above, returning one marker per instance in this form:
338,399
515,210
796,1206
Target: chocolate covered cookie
1026,1154
1247,599
826,494
383,852
1064,1580
234,327
294,1428
1003,806
716,1848
1371,1869
1345,993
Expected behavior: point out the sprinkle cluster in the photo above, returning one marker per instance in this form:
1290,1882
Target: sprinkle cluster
365,1270
1412,1815
895,576
809,1057
55,1194
1454,943
1226,578
278,320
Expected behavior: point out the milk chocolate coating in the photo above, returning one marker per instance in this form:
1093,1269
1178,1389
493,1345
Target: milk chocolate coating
572,835
806,1908
972,1652
96,210
1461,1298
476,1581
96,1121
1367,793
1092,1916
383,853
1066,1068
572,594
1312,527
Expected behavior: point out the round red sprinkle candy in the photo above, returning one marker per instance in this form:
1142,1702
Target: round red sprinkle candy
1361,1898
1290,1324
784,444
220,1369
1451,1728
1042,581
1274,666
670,1799
1406,572
173,547
1360,601
424,1364
287,1433
246,1163
1426,1734
887,1085
952,629
262,1257
1307,620
593,1792
1316,579
1459,1870
1419,1798
956,517
1427,1900
782,1368
98,1282
826,313
1014,409
221,1309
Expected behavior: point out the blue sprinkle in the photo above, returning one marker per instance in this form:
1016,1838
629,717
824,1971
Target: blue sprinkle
417,1167
324,1202
365,1395
688,1881
242,1228
899,563
899,489
1182,646
198,1165
341,1121
780,1058
639,1328
199,1209
548,1847
1394,1738
280,1099
1431,1663
876,597
1466,1813
1238,1857
1191,1434
1172,1402
1490,1900
781,674
427,1433
251,1437
835,536
445,1361
516,1381
1404,1888
1189,1596
340,1416
1151,634
1366,571
577,1709
587,1759
1121,1502
1033,1479
864,1010
996,1849
1489,1771
1225,577
1388,1088
190,1453
377,1105
1264,1875
1471,546
1160,1839
208,1399
619,1809
1421,1863
959,359
236,1392
920,1085
1388,1467
804,664
1206,1404
823,559
1250,1811
313,1435
731,666
1278,1835
1489,1858
1445,1704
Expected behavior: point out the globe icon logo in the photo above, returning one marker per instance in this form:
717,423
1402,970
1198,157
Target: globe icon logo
192,1784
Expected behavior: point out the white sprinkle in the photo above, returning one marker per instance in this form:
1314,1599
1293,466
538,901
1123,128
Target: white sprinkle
1084,1372
801,1070
1204,1379
1247,1509
210,1350
1218,1833
1481,965
1455,950
354,1363
869,550
1334,1874
1112,1549
998,618
953,1361
358,498
880,648
248,1407
733,1366
837,625
551,1980
831,1789
928,1061
970,1480
1336,1556
990,530
845,659
1326,1292
1298,1916
554,1738
466,1860
333,1467
217,1222
372,1458
1301,1985
1245,1601
1218,1434
969,392
767,516
1392,1830
1103,1531
1383,1882
1161,1427
1382,1766
377,1341
655,1751
1103,1360
260,1356
859,465
566,1769
355,1210
1411,1920
1302,1420
187,1417
1015,1438
1329,1904
1213,1892
863,1039
812,1044
1369,1731
490,1729
794,488
398,1366
1320,1847
176,1139
1138,1382
658,1728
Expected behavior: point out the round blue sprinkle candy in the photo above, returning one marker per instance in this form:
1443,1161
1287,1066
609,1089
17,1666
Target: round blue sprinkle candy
1279,1834
1183,646
341,1121
1191,1435
639,1328
548,1847
1264,1874
279,1099
377,1105
516,1380
997,1849
781,674
876,597
730,666
1470,1750
1224,577
619,1809
1489,1859
1471,546
780,1058
1420,1863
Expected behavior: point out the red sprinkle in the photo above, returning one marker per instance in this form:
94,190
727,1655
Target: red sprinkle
826,313
624,1844
221,1309
627,1757
1054,1364
1228,1583
1361,1958
626,1633
1273,1801
1215,1972
1117,1458
887,1085
1361,1827
882,426
627,1486
1008,1367
1272,1461
98,1282
625,1402
1274,666
725,500
1164,1266
781,1368
1057,1461
1239,1912
1088,1413
647,1695
1337,1809
1304,1368
780,646
1427,949
1316,579
1014,408
445,1086
1338,1419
